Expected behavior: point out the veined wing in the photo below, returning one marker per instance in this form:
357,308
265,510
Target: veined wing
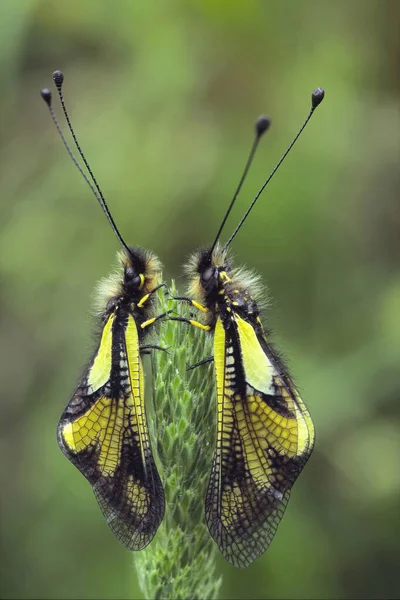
103,432
265,437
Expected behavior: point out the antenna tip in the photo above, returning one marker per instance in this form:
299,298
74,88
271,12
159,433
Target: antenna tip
262,124
58,78
316,97
46,95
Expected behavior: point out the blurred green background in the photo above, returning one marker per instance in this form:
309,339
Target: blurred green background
163,96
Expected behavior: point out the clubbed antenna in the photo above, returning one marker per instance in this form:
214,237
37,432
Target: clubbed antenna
58,78
316,98
261,126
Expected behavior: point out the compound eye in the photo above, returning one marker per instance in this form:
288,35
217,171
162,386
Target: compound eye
208,274
132,278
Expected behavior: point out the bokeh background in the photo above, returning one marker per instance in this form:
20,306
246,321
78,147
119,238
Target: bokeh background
163,96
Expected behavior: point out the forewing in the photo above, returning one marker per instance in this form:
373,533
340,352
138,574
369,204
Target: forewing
264,439
103,431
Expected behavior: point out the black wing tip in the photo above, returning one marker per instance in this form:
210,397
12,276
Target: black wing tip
125,525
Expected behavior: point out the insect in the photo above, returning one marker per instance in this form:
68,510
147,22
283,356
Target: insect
264,431
103,430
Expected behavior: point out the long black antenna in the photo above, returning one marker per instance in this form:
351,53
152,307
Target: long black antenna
316,98
46,95
262,124
58,78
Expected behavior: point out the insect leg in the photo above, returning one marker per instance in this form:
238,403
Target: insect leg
201,362
154,319
190,301
192,322
144,298
146,347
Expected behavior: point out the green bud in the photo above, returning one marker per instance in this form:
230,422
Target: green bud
180,561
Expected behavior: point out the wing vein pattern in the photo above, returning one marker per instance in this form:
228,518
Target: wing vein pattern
104,433
264,439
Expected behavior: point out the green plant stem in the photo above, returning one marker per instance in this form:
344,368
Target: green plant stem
180,562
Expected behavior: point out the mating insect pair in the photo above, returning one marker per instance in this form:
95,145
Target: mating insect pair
264,432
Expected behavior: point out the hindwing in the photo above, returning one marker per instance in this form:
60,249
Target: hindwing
264,438
103,432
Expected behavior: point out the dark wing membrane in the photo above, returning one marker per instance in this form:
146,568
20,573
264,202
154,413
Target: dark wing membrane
103,431
263,442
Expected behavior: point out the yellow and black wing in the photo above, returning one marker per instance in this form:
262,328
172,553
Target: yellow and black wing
264,438
103,432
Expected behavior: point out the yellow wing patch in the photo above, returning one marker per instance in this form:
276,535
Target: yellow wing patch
292,435
258,368
100,370
136,383
101,427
